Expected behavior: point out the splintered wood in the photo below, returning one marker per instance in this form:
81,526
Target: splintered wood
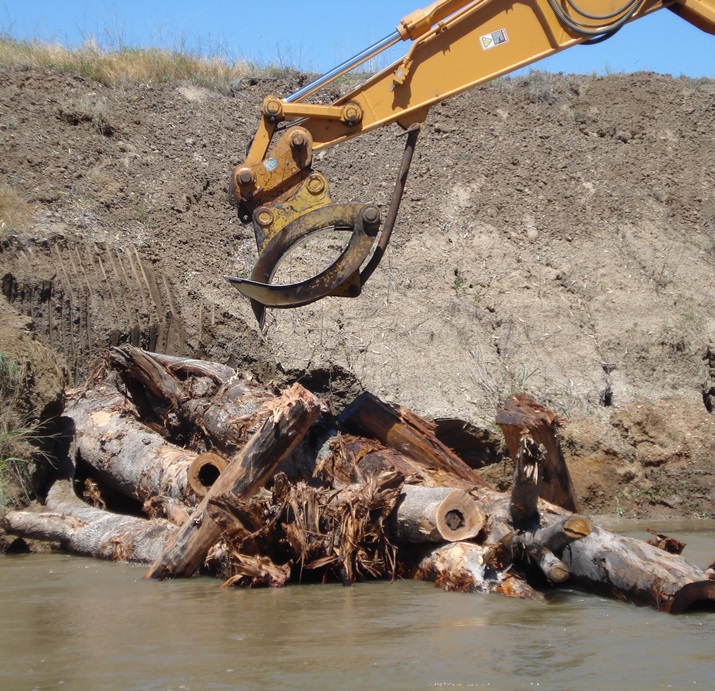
263,487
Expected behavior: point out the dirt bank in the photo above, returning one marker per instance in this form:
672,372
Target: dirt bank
557,236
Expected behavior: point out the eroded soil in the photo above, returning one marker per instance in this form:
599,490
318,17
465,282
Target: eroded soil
557,236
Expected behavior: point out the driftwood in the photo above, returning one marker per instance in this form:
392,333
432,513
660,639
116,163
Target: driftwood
292,416
372,499
436,514
226,407
522,417
88,531
124,454
407,433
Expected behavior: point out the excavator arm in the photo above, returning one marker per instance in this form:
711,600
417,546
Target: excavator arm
454,45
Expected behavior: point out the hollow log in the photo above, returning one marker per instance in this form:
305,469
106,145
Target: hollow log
292,415
89,531
204,471
435,514
521,416
123,453
407,433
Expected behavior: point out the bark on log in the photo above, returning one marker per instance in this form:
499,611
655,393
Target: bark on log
227,411
627,569
123,453
88,531
293,414
435,514
521,416
633,570
407,433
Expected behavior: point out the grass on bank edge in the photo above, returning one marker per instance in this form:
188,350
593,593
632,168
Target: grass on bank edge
18,441
133,65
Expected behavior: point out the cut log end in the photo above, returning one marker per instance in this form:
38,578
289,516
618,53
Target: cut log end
458,517
204,472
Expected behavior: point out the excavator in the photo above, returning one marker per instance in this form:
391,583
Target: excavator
454,45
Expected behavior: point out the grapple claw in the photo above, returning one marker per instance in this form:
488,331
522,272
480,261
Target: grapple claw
362,220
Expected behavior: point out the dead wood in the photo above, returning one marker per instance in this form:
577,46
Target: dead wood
204,471
89,531
635,571
469,567
292,415
182,395
316,533
436,514
408,434
124,454
526,487
521,416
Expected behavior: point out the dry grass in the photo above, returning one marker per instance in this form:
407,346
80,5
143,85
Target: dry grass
14,211
114,67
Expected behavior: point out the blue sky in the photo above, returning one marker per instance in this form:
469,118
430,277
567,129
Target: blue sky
316,36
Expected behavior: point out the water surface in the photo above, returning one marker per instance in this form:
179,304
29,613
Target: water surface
71,622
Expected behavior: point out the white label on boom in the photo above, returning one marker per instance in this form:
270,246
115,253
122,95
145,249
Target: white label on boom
495,38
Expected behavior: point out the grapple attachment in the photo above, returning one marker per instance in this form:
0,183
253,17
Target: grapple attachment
288,202
342,277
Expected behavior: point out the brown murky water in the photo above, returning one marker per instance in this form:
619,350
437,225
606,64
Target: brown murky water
72,623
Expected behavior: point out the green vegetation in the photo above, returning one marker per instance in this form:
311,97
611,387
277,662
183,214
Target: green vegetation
17,440
114,67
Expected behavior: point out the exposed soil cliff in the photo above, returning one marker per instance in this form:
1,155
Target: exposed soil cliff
557,236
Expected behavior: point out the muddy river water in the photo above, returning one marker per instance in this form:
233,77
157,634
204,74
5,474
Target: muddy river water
75,623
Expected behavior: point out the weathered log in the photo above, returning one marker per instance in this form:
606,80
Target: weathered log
226,410
528,476
468,567
436,514
521,416
292,415
123,453
407,433
543,545
633,570
88,531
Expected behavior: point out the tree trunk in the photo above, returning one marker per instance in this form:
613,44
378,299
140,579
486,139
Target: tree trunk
293,414
407,433
123,453
88,531
226,410
632,570
435,514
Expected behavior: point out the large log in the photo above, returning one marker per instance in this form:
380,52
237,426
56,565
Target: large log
89,531
468,567
123,453
292,416
633,570
624,568
435,514
407,433
225,408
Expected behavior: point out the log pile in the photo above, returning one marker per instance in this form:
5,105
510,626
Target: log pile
188,467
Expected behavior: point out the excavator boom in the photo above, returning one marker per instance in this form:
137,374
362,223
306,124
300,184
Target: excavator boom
454,45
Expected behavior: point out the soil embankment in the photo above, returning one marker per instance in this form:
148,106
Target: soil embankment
557,236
